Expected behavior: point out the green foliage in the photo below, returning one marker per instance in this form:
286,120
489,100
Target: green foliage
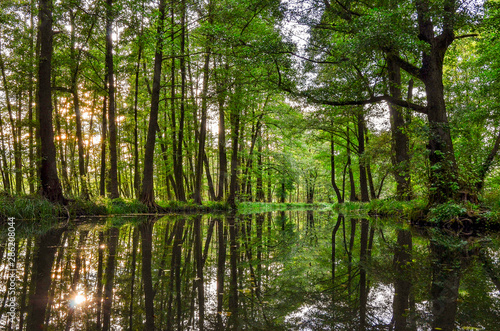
445,212
28,208
394,208
261,207
125,206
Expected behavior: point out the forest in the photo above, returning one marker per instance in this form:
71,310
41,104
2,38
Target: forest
249,165
250,101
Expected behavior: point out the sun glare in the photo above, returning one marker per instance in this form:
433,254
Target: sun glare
77,300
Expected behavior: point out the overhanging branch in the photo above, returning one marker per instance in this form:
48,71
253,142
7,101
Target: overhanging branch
375,99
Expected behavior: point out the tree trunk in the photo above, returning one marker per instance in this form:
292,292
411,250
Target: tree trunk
113,157
178,166
136,141
443,167
44,254
147,194
400,154
33,177
5,166
402,283
172,98
110,277
222,145
353,196
363,183
340,198
221,270
259,191
76,105
98,299
51,186
235,119
198,256
203,125
132,277
146,251
104,130
211,189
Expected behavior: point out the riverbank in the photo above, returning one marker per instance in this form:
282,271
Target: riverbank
461,215
36,208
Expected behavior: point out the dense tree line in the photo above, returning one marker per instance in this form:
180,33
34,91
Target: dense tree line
254,100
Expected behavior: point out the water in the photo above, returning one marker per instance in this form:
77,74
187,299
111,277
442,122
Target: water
293,270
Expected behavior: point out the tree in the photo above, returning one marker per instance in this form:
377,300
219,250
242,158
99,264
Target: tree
51,187
113,171
147,195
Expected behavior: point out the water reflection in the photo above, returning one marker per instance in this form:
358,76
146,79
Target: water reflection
273,271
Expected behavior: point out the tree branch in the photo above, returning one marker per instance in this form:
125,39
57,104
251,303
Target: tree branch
374,99
407,66
467,36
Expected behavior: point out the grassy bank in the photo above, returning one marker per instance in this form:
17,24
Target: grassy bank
36,208
262,207
465,214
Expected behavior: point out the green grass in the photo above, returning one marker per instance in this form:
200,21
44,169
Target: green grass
261,207
39,210
36,208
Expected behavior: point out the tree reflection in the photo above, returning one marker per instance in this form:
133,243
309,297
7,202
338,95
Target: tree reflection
45,250
274,271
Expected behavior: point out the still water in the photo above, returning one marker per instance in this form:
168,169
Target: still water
293,270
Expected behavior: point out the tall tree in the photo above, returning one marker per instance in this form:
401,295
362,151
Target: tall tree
147,194
113,170
203,124
51,186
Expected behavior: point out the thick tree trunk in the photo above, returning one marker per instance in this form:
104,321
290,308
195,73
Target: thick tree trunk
51,186
443,167
147,194
444,173
113,157
44,254
400,145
